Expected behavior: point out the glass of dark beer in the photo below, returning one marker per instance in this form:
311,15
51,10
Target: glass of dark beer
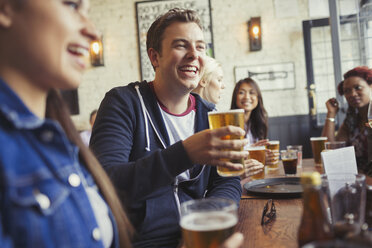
207,223
289,159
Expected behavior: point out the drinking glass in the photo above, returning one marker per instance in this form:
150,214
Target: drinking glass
317,146
331,145
368,214
289,159
219,119
273,145
297,148
258,153
207,223
347,198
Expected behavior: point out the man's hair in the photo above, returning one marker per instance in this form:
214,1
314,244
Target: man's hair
156,30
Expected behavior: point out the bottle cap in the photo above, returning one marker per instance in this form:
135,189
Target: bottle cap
312,178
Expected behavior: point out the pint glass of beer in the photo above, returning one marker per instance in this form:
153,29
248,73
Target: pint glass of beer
258,153
207,223
219,119
273,146
317,145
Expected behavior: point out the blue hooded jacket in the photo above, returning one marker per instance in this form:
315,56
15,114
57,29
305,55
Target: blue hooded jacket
130,140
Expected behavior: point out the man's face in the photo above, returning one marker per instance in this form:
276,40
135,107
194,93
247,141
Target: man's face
180,64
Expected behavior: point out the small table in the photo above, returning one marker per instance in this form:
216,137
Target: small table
283,231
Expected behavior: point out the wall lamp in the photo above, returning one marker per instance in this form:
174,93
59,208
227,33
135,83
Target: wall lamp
255,34
96,52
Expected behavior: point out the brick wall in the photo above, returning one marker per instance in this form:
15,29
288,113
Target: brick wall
281,42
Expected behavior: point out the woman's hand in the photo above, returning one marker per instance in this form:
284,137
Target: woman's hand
332,107
252,167
263,142
272,157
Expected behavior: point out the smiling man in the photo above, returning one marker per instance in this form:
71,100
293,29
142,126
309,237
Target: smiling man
153,139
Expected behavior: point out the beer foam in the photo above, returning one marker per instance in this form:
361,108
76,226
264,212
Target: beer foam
232,111
274,142
210,221
256,148
318,138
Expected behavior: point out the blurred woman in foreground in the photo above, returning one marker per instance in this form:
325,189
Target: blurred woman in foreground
53,192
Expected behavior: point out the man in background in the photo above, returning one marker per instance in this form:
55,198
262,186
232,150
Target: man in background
85,135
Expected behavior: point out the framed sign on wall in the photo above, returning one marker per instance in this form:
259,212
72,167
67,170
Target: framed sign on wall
269,77
148,11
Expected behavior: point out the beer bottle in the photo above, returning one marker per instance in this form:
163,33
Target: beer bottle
315,225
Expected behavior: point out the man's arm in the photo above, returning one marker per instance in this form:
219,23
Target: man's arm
113,139
224,187
112,142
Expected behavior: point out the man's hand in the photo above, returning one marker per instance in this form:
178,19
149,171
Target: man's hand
208,147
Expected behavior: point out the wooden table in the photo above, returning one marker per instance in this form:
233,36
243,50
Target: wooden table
283,231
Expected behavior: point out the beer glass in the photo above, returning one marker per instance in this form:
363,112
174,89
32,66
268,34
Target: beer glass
297,148
289,159
258,153
347,195
317,146
273,146
207,223
219,119
331,145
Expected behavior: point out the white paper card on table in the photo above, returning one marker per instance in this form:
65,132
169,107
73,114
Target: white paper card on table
342,162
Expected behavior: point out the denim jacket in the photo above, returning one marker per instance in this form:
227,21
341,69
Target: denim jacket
42,199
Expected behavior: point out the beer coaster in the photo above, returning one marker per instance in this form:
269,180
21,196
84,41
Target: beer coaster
283,187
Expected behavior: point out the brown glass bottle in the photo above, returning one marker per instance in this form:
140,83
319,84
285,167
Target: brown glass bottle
315,225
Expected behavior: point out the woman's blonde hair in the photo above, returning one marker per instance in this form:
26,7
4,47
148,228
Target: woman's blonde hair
210,67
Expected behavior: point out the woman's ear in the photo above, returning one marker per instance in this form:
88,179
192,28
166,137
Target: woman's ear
203,83
6,12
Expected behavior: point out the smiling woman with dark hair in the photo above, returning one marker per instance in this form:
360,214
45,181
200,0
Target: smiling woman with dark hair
356,88
247,95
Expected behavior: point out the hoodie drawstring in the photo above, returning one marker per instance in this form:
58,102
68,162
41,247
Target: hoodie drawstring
147,118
